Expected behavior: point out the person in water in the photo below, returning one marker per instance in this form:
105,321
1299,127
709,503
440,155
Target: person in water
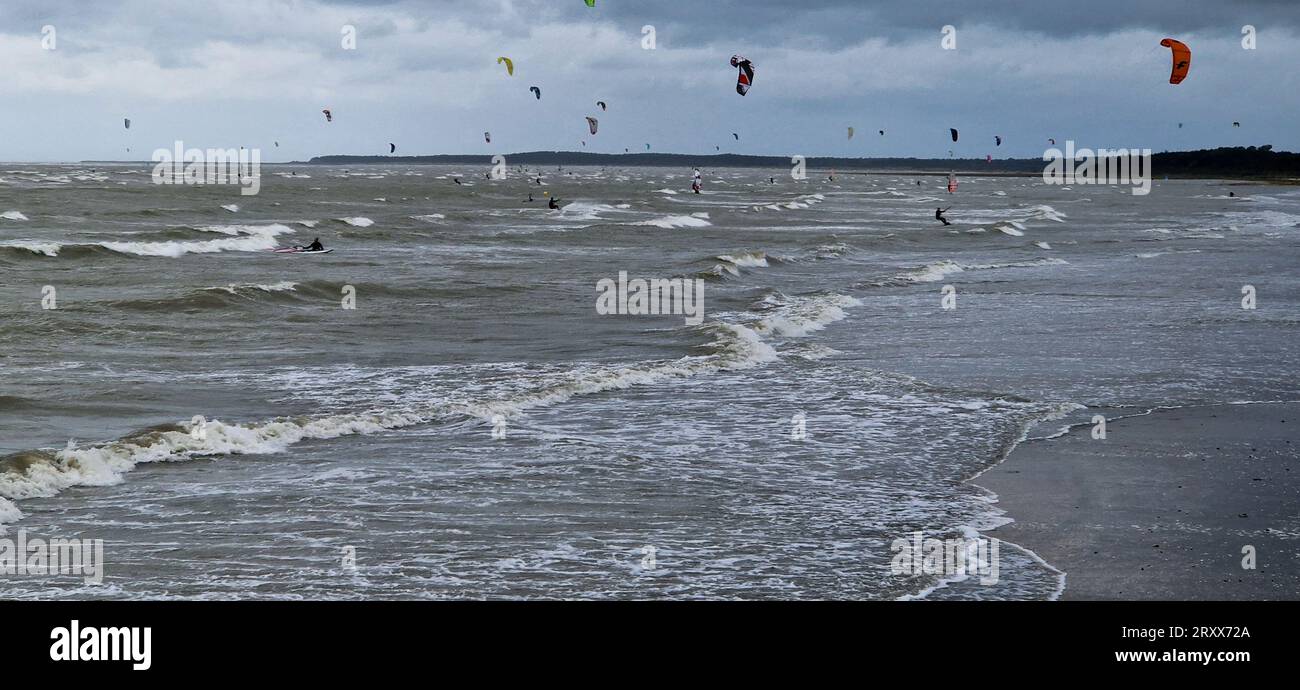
938,215
315,246
554,204
530,197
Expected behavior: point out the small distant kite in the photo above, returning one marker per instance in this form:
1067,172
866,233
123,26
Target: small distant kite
737,136
1052,142
591,3
647,147
745,76
953,132
127,122
510,64
602,105
997,140
592,124
329,117
487,136
1236,124
536,92
392,148
277,144
850,134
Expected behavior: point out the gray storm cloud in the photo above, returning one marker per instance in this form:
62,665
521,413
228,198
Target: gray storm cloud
423,74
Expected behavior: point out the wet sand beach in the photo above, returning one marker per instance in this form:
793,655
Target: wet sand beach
1163,507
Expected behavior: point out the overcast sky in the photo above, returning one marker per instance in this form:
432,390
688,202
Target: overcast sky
424,76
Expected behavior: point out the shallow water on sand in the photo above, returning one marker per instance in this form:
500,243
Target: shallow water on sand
640,456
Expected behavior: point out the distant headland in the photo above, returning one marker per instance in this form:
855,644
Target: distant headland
1250,162
1240,162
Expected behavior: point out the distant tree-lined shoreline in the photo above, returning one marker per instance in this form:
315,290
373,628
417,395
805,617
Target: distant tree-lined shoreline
1240,162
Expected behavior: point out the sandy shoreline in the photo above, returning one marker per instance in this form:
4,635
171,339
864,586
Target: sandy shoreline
1162,508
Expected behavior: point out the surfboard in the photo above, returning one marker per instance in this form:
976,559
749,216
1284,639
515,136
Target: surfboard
295,250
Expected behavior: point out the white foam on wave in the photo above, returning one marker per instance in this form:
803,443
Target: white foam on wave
670,222
13,215
243,238
799,203
933,272
47,473
1015,225
35,246
796,317
939,270
358,221
1045,212
236,288
1267,219
585,210
236,230
833,251
233,208
243,243
747,260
